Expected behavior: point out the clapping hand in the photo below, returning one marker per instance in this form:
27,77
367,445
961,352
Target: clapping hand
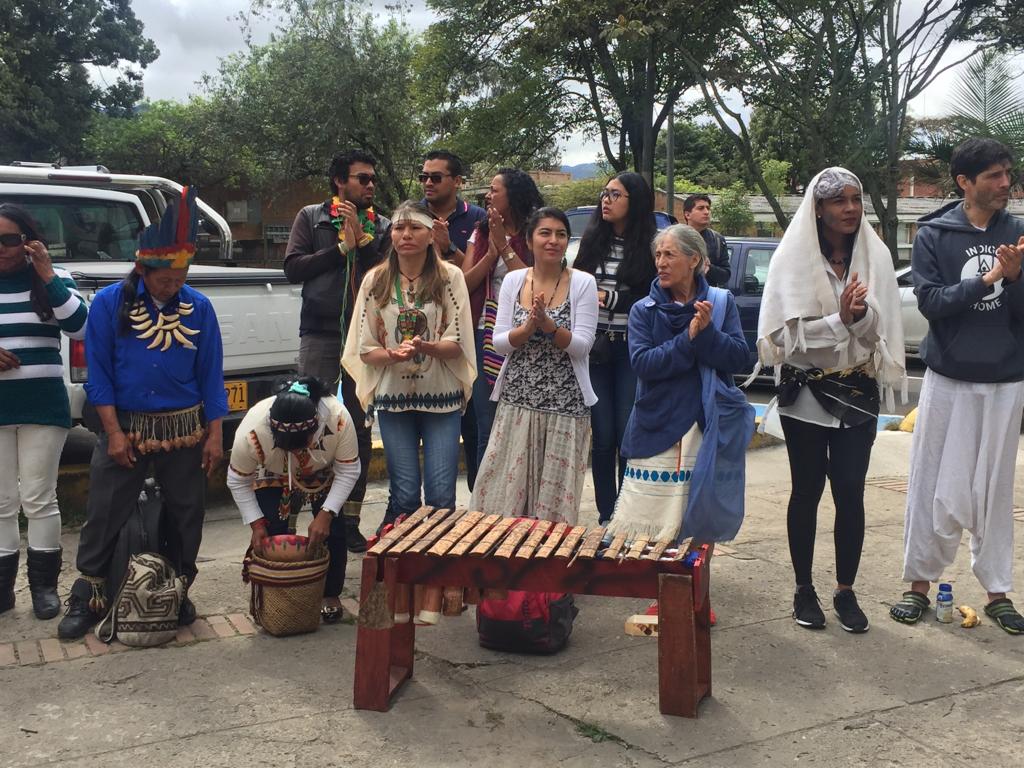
851,303
496,227
351,229
442,239
701,318
1009,259
539,315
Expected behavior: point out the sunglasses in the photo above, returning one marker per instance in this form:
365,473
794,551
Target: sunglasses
612,194
365,179
433,178
11,239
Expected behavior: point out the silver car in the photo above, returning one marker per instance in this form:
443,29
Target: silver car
914,324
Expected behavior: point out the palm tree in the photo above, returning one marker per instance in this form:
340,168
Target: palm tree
986,100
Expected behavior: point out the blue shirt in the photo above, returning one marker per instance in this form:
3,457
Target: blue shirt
125,374
462,222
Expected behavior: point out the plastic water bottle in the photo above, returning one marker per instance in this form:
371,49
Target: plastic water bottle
944,604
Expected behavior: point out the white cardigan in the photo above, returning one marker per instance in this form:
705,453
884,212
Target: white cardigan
582,321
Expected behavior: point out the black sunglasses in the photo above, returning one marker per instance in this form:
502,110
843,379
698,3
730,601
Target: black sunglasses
11,239
434,178
364,178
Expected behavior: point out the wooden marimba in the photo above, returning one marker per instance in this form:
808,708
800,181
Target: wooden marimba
456,548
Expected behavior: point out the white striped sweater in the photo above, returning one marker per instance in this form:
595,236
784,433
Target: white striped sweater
34,393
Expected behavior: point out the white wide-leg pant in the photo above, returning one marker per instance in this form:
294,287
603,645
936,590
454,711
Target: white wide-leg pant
961,476
29,460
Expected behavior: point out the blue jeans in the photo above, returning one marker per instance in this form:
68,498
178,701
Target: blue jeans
615,385
401,433
481,404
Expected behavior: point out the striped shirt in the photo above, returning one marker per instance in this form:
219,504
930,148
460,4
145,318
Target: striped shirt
35,392
608,316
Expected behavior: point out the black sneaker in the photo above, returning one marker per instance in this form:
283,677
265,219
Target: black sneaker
807,608
851,617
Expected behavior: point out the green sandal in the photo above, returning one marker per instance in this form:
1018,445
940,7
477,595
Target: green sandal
910,608
1005,615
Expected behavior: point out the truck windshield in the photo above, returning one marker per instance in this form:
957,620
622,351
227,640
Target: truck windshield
82,229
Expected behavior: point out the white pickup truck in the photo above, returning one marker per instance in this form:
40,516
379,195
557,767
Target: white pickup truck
91,220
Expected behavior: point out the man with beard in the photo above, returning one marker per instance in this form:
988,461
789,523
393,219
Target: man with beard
966,265
331,247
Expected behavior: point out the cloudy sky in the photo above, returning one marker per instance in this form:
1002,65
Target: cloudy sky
193,35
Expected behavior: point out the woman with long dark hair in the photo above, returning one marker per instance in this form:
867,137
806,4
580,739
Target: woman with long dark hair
411,356
830,321
498,246
546,318
616,249
40,302
294,447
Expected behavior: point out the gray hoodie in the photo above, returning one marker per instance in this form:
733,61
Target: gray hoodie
975,332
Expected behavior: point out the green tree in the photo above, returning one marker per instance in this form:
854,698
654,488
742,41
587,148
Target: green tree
732,211
174,140
331,78
46,96
704,154
575,193
617,59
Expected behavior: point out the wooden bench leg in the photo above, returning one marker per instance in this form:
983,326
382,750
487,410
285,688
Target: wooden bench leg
383,656
702,634
678,686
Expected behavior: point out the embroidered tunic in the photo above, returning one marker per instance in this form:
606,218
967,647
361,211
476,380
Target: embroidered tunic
423,383
332,462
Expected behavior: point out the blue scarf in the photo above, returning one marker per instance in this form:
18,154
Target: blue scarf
715,509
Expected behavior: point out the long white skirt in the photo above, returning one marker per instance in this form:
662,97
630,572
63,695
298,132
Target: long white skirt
961,476
655,491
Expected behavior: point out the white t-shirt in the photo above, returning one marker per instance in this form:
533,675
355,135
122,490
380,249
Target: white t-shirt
500,270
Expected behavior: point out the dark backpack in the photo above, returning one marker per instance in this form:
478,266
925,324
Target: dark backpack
140,533
526,622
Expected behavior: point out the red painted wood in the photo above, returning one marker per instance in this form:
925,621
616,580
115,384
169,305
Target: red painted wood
384,658
677,678
371,687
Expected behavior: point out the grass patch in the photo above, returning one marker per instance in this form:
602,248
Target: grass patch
596,733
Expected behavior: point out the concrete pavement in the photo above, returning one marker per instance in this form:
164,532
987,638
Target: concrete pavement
933,694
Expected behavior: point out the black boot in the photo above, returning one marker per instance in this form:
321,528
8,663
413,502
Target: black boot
43,570
187,611
354,540
8,573
86,606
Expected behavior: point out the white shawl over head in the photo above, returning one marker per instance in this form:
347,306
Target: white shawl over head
797,289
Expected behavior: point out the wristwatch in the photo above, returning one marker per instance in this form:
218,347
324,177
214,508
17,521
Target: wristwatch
452,250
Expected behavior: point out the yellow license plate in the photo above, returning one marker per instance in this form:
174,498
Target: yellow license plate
238,395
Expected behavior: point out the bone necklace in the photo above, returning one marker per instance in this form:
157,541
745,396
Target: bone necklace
166,330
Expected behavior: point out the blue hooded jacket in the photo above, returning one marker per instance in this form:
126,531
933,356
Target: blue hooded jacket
667,364
682,382
975,332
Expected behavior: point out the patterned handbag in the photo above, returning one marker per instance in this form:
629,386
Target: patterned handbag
492,360
146,610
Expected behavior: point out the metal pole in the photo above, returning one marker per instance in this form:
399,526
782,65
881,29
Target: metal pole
670,165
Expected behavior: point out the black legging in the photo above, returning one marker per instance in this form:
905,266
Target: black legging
842,454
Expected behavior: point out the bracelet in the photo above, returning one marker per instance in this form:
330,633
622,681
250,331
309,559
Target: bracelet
508,255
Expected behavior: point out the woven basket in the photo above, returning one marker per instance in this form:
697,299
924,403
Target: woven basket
286,597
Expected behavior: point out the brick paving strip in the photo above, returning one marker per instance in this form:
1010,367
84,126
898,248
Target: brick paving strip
50,650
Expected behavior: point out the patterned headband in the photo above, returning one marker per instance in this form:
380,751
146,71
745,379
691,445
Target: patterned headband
289,426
